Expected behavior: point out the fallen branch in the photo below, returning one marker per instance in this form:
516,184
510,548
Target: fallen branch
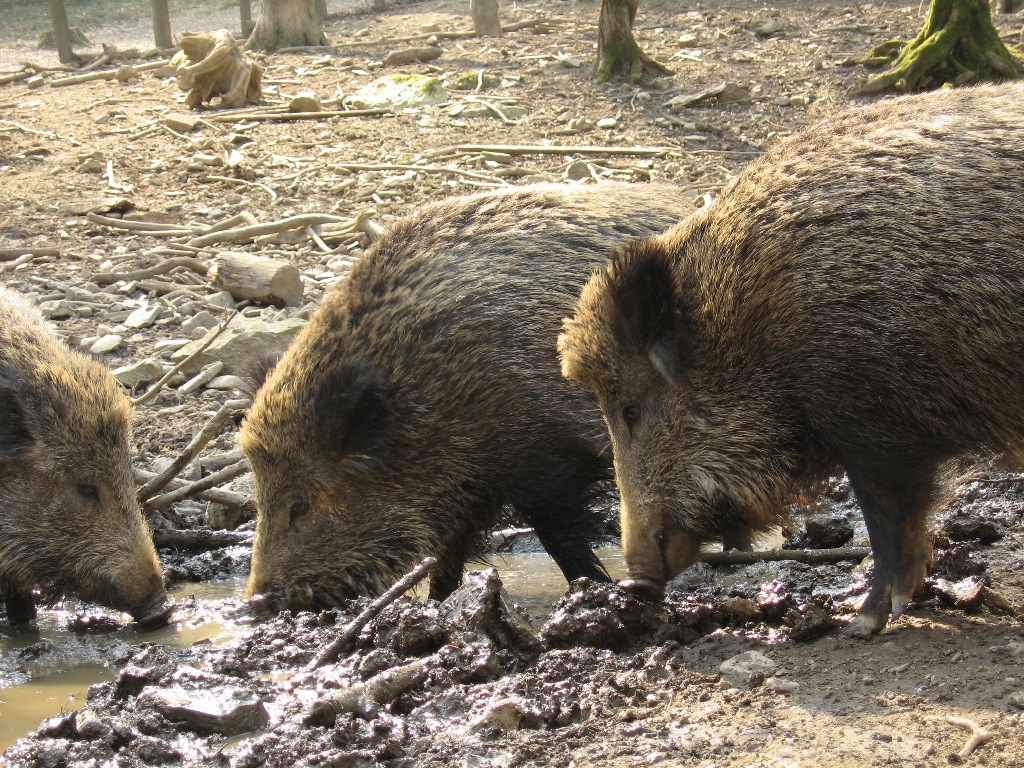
18,262
200,540
136,226
209,431
736,557
150,393
44,134
366,699
107,278
194,489
354,627
978,734
286,116
9,254
258,230
418,168
214,495
521,149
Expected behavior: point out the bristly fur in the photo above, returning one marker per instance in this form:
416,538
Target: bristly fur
432,367
837,307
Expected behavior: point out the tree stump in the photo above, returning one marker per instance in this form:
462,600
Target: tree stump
618,54
218,68
486,22
958,44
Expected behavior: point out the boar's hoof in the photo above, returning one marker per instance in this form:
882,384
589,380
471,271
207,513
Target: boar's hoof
644,588
864,627
154,615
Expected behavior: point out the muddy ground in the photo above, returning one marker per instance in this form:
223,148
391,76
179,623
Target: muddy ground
599,680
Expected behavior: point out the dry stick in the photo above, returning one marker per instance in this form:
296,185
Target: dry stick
365,699
201,540
520,149
106,278
354,627
245,183
18,262
206,434
736,557
417,168
978,734
215,495
136,226
150,393
193,489
256,230
9,254
286,116
44,134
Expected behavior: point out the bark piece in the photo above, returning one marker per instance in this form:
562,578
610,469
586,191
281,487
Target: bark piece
268,281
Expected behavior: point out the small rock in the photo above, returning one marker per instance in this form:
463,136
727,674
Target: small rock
179,123
89,726
224,383
305,103
399,91
579,169
92,165
1017,699
241,342
966,594
202,319
228,711
782,685
478,80
143,317
725,93
747,670
106,343
142,372
688,41
505,715
742,608
607,122
770,28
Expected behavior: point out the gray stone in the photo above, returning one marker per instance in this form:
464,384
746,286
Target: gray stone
747,670
106,343
227,710
142,372
244,340
143,317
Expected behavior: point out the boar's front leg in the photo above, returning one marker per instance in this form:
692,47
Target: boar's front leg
563,532
895,501
21,606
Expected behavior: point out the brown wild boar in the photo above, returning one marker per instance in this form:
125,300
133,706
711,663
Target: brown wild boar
854,299
424,397
69,520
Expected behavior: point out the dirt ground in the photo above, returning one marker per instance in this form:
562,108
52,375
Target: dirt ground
647,691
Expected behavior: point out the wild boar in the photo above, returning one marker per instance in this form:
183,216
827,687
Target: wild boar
854,299
70,523
424,397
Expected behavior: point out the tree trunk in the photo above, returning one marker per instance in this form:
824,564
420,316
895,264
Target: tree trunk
618,55
61,32
958,44
486,22
245,14
321,9
162,25
287,23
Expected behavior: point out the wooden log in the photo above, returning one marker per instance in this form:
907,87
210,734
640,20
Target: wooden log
268,281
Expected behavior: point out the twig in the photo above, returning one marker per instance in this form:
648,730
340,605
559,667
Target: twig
136,226
317,240
200,540
366,699
194,489
44,134
215,495
354,627
245,183
495,109
736,557
107,278
9,254
257,230
206,434
18,262
522,149
978,734
150,393
286,116
417,168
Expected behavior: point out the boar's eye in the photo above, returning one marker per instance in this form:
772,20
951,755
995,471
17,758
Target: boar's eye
631,413
297,510
88,491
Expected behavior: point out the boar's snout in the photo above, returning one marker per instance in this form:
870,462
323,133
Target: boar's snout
656,548
155,612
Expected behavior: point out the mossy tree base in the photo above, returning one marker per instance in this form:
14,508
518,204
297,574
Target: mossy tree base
618,54
958,44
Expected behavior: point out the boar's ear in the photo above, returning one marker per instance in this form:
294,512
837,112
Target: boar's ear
15,438
256,374
351,402
647,313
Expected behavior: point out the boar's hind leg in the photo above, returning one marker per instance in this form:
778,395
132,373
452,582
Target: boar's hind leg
21,607
895,511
